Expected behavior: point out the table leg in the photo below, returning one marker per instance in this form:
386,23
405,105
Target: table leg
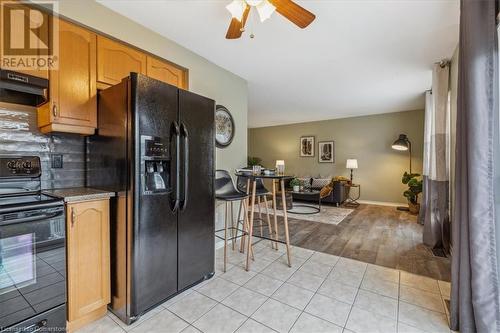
246,227
238,223
242,243
269,221
226,211
285,216
250,232
275,216
232,226
260,216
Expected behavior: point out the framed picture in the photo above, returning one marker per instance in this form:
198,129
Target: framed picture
307,146
326,152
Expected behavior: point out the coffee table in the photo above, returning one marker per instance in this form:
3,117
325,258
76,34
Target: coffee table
314,209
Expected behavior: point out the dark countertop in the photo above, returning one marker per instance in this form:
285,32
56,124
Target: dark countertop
79,194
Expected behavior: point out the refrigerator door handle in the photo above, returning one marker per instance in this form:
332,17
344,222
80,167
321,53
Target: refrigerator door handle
185,136
176,132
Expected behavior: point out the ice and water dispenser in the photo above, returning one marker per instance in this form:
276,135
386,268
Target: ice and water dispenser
155,165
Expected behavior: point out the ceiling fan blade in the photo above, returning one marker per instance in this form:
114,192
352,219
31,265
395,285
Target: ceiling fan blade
293,12
236,27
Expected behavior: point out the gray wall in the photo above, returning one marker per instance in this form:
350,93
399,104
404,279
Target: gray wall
368,139
19,135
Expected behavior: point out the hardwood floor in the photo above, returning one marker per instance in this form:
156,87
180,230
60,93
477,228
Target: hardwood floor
374,234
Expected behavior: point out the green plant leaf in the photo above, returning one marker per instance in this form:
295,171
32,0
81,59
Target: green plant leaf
254,161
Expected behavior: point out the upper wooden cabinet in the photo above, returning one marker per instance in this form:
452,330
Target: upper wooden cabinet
115,61
72,88
166,72
18,34
88,262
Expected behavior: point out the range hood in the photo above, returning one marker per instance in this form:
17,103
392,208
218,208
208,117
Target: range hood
23,89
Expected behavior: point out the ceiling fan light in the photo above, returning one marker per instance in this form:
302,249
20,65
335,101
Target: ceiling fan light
254,2
265,10
237,8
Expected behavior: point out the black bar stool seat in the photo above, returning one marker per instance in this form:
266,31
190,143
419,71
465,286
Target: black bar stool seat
227,192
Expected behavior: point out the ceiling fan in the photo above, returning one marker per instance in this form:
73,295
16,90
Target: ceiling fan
240,9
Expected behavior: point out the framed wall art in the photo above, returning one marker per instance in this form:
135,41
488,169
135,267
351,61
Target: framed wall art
307,146
326,152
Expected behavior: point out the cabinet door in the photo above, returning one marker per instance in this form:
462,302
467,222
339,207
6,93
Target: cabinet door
88,257
167,72
18,33
73,90
115,61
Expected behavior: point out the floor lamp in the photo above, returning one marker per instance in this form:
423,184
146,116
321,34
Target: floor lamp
403,144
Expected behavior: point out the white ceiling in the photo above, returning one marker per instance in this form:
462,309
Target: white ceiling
356,58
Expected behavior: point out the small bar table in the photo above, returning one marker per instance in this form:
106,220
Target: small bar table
252,180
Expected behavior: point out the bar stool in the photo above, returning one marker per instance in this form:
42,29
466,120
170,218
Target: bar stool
261,192
227,192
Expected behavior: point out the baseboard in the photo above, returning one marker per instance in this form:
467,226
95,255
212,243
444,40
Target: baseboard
383,203
74,325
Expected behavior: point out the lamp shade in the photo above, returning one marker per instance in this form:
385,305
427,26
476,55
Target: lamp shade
265,10
402,143
280,162
351,164
237,8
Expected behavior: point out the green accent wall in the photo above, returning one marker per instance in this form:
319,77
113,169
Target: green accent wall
366,138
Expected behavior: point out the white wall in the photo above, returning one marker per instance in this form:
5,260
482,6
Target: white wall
205,78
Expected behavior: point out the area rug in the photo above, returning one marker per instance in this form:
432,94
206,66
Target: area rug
328,214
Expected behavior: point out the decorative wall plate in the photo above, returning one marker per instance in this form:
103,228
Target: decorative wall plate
224,127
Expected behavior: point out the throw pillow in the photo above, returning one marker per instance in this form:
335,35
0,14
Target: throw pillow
319,183
325,191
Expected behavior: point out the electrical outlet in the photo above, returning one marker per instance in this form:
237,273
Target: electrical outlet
56,161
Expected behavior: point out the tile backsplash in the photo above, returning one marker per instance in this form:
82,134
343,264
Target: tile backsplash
19,135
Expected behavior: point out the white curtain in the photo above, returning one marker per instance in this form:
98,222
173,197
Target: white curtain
434,212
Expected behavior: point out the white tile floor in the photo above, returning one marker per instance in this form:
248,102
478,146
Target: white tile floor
320,293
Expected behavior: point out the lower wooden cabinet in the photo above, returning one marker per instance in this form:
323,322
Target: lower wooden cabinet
88,261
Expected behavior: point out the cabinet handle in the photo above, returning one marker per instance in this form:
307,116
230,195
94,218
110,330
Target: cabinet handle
73,217
54,110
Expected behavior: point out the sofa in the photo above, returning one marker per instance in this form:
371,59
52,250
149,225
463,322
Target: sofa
336,197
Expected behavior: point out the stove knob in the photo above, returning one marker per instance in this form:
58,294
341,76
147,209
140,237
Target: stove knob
11,164
27,165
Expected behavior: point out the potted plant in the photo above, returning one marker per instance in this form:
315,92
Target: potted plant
414,189
295,184
254,161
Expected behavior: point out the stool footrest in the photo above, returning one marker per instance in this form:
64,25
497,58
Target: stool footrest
243,233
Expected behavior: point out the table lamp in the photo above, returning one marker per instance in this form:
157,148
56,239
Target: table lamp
351,164
280,166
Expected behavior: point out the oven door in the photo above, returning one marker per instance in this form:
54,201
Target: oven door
32,263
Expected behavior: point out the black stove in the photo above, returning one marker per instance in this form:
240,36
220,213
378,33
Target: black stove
32,251
15,202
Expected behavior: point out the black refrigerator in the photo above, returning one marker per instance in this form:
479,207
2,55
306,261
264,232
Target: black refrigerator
154,147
